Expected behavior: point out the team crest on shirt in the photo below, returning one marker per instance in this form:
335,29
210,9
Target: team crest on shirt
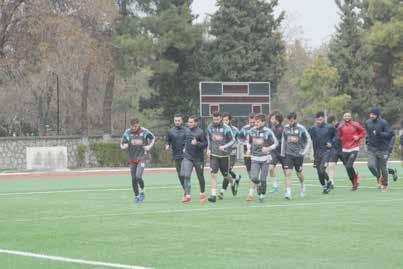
218,137
137,141
258,140
292,139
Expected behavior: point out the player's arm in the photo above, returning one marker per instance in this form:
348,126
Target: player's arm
386,131
308,141
360,131
168,140
202,141
274,140
283,141
124,141
230,137
151,140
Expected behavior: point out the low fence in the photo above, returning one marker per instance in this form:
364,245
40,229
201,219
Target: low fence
86,152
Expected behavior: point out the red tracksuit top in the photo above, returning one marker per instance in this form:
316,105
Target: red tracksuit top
346,131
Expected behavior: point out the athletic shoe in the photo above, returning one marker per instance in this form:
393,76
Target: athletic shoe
262,198
385,188
380,182
249,198
202,197
141,197
136,200
234,189
394,174
324,190
186,199
302,191
356,183
287,196
329,186
221,195
212,199
274,189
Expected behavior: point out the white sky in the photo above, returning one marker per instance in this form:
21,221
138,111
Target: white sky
315,19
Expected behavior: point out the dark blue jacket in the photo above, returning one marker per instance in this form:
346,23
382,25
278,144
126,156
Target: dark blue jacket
321,135
176,140
378,135
195,152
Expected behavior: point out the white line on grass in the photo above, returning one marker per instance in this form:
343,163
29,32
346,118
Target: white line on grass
148,188
69,260
149,170
206,209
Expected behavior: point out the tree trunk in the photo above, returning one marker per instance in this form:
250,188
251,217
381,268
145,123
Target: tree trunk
108,100
84,101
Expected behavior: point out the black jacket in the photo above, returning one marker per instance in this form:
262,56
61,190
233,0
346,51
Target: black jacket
378,135
321,135
195,152
176,140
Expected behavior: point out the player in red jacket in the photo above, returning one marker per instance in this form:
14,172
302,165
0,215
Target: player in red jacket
350,133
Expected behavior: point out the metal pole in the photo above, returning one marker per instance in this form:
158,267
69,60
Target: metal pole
269,98
58,104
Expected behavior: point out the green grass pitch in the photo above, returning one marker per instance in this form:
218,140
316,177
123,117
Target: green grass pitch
93,218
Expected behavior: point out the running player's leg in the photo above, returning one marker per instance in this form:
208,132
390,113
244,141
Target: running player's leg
199,167
349,159
135,186
373,166
186,173
139,178
225,181
214,167
254,175
178,164
288,166
264,171
298,164
224,163
272,170
382,162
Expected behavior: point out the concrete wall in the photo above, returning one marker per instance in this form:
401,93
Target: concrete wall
13,150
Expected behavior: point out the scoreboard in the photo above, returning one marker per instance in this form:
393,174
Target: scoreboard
237,98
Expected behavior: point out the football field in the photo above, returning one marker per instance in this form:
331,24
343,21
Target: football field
91,222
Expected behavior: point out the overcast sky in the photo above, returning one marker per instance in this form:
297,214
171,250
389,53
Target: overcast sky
316,19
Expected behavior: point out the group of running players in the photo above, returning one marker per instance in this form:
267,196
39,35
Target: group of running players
266,142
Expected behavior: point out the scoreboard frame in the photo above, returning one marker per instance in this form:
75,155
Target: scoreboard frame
235,93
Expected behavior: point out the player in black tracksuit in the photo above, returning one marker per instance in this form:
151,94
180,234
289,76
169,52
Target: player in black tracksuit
175,139
275,124
336,151
378,138
193,157
323,136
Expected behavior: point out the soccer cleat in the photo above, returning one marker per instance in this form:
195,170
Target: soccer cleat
202,197
262,198
136,200
274,189
325,190
394,174
141,197
249,198
385,188
221,196
234,189
287,196
212,199
186,199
